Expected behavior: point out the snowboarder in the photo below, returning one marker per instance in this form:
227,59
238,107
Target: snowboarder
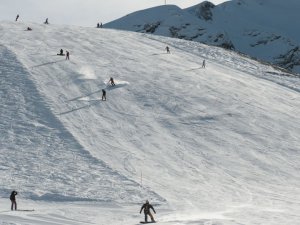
103,95
29,28
46,22
146,207
13,200
111,81
17,17
203,64
67,55
168,49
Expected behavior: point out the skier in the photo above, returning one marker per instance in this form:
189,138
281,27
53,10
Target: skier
46,22
168,49
13,200
203,64
67,55
147,206
17,17
103,95
29,28
111,80
98,25
101,25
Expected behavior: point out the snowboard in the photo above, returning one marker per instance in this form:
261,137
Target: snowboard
143,222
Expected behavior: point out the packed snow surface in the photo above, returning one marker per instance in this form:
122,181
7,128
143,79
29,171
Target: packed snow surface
216,145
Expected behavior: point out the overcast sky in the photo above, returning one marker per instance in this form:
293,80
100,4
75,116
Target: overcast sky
80,12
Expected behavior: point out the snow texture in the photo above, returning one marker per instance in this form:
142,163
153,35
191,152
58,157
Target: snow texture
218,145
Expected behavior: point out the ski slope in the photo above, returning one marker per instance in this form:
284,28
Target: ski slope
218,145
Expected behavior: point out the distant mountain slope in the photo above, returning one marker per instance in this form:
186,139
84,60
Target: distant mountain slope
263,29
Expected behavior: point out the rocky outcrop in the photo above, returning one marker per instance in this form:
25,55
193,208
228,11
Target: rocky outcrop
203,10
290,59
150,28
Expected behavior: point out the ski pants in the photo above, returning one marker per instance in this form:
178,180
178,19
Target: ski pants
146,216
13,204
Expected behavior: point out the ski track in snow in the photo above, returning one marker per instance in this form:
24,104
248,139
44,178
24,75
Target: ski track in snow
34,134
207,146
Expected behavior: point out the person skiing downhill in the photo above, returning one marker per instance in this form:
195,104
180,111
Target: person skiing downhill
168,49
203,64
13,200
111,81
67,55
17,17
146,207
46,22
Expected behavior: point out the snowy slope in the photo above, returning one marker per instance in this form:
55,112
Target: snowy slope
218,145
259,28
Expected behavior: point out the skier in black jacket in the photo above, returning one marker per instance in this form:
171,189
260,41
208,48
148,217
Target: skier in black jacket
103,95
111,81
147,206
13,200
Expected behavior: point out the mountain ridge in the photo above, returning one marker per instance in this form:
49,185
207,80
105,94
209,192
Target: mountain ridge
255,28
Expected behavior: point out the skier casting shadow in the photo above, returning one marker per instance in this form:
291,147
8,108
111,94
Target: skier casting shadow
103,95
146,207
111,81
13,200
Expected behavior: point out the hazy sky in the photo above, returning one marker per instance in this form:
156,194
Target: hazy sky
80,12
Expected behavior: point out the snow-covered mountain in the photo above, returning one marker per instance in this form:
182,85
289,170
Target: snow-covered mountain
263,29
218,145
